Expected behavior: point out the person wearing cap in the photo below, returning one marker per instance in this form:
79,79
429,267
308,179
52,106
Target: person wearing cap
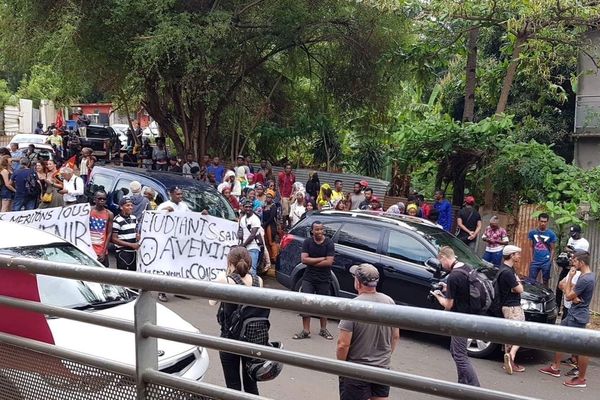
495,238
140,202
412,210
576,242
250,233
580,294
364,343
469,223
125,236
510,289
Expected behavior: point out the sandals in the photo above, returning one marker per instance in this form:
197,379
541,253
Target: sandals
301,335
325,333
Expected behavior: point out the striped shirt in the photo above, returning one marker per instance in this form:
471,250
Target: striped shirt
124,227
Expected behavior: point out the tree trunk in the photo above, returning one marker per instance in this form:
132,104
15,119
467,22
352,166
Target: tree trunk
511,72
458,189
471,75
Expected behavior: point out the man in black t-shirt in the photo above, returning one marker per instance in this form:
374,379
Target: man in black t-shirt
469,223
457,299
510,289
317,255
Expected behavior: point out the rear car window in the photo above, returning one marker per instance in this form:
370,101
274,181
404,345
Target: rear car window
357,236
101,182
303,228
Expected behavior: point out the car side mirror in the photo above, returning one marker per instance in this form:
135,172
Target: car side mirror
434,266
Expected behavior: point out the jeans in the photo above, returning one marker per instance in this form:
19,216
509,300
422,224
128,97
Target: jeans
495,257
254,254
464,368
231,372
534,270
26,203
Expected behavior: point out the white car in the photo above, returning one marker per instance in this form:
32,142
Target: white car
151,132
25,139
121,130
179,359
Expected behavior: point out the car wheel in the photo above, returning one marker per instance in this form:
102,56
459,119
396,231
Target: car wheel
478,348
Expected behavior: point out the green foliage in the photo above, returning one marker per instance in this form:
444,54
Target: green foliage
6,97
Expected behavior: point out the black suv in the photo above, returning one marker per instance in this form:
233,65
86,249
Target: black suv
103,140
399,247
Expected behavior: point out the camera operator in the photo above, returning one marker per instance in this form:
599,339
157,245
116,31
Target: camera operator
457,299
576,242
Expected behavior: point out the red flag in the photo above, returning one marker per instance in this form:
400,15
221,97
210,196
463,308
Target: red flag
71,162
60,121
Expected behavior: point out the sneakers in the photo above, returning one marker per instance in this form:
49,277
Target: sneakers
550,371
575,383
518,368
508,366
569,361
573,372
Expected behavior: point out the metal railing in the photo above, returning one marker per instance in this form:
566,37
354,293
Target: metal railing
529,334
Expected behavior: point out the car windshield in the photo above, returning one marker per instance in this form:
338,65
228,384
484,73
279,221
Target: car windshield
439,237
62,292
199,200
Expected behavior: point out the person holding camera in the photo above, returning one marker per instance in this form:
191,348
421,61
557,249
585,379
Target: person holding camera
576,242
455,296
249,234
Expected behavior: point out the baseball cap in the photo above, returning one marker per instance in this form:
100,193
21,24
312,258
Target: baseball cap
125,200
494,219
364,183
575,228
135,187
510,249
470,200
240,156
367,274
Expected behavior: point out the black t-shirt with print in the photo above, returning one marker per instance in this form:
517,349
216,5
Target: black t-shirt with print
315,250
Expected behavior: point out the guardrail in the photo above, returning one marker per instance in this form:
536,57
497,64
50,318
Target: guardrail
529,334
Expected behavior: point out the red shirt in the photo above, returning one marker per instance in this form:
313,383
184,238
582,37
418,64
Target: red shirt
285,183
235,204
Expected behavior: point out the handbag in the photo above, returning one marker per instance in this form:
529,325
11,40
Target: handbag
47,197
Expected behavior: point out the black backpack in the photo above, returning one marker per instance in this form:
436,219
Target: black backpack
32,188
245,323
482,291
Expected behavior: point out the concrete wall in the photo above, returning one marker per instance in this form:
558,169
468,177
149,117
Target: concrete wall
589,81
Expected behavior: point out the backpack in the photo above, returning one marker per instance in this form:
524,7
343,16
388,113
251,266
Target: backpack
32,188
482,291
245,323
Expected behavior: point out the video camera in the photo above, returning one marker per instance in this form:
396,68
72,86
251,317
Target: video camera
434,266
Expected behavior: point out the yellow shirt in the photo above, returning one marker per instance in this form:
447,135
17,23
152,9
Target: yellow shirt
55,140
337,196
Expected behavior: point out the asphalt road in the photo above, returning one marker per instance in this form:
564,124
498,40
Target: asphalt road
417,353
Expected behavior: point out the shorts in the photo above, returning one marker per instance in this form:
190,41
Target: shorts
570,322
285,206
6,193
321,288
353,389
534,269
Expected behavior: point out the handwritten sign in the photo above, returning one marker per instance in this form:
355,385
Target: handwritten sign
71,223
185,244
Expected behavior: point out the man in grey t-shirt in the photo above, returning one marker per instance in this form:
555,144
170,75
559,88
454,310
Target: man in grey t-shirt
357,196
363,343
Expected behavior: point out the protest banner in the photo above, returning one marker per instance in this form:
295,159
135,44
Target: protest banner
71,223
185,244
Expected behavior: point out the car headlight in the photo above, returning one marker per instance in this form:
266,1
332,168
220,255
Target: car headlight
529,305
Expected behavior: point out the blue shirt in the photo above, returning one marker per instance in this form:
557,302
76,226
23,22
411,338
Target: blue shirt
219,171
541,245
445,209
19,178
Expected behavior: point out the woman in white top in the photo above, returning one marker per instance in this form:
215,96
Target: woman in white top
297,209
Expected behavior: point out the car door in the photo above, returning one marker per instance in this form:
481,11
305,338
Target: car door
102,181
405,278
356,243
